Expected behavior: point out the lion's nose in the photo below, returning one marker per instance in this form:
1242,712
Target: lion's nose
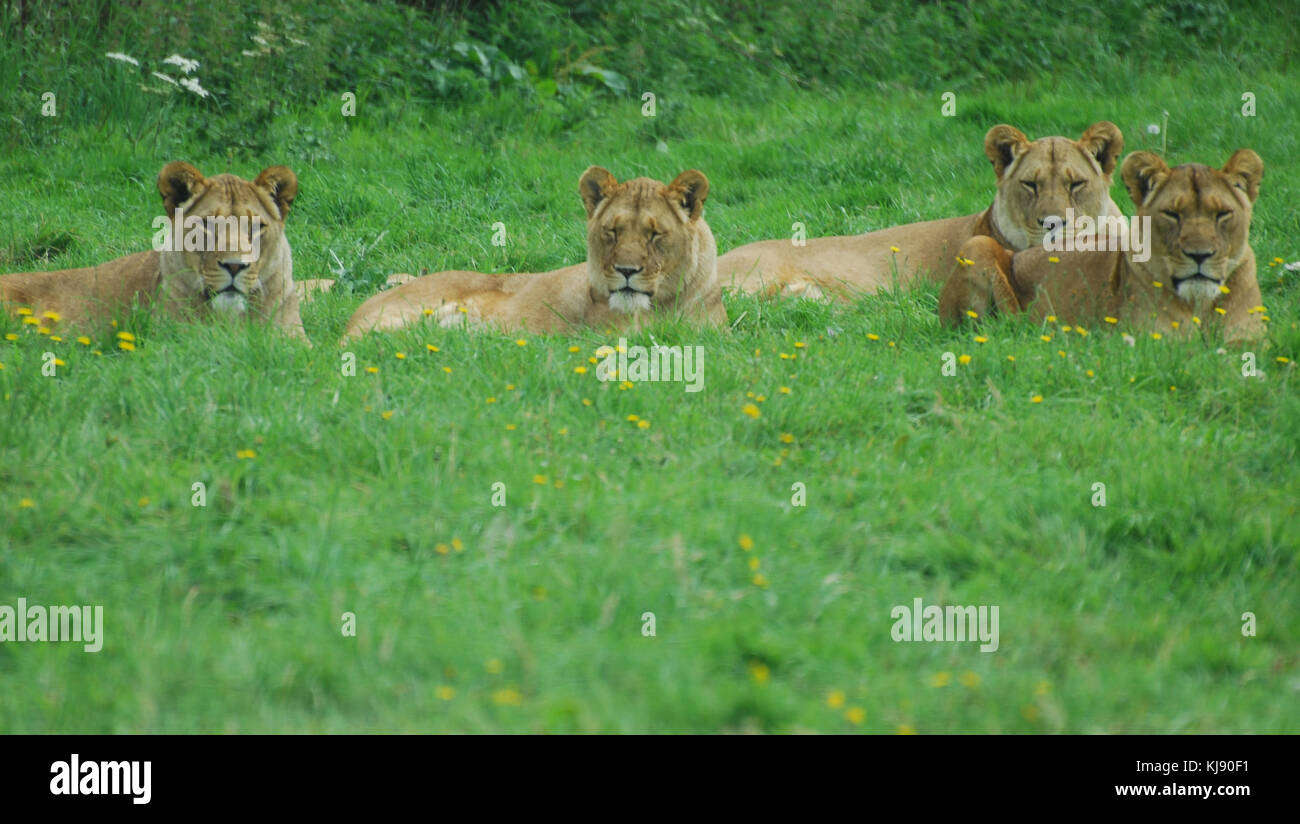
1199,257
234,267
627,271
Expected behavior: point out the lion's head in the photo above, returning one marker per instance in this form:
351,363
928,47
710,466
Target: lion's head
645,240
1043,178
1199,218
228,252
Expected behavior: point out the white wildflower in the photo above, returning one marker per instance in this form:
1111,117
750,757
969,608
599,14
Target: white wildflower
184,64
1153,128
1292,267
162,76
192,84
125,58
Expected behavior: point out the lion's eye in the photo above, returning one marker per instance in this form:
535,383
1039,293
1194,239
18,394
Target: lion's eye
1223,215
1076,186
1030,185
1169,214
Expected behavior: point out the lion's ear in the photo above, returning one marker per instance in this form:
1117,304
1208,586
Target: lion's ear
1245,169
1142,172
689,190
282,184
1104,141
1003,144
177,183
595,185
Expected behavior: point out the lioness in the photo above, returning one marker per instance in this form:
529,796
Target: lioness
203,275
648,250
1200,274
1034,180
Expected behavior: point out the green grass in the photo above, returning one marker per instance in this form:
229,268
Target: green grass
958,490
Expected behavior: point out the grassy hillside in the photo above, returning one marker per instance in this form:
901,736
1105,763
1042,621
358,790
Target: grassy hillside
373,494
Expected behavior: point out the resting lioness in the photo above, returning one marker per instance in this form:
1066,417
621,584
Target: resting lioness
1034,180
1200,273
199,277
648,251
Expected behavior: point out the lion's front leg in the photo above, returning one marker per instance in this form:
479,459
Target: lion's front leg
980,282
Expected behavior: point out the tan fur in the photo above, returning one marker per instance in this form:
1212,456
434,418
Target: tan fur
655,233
1213,209
308,289
863,264
183,281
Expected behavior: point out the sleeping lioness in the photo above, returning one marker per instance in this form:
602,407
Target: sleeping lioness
648,251
195,276
1200,273
1034,180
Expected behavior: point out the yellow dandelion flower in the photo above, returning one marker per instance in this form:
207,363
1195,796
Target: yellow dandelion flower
625,385
1088,373
633,418
1283,360
1221,310
971,313
1156,336
1173,389
575,348
510,387
1011,358
1081,331
539,479
906,729
1036,399
462,310
1045,338
508,697
491,400
1278,260
835,699
26,503
447,369
125,336
855,715
981,339
941,679
751,410
1196,320
1109,319
245,455
963,359
428,311
786,437
754,564
56,338
799,344
586,401
126,345
581,370
1060,352
29,321
1065,328
872,336
760,398
442,549
1053,260
44,330
643,424
1224,289
893,249
1051,318
387,415
445,693
83,340
400,355
784,390
59,362
510,427
746,543
759,672
1157,284
11,336
760,581
431,347
969,679
521,342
